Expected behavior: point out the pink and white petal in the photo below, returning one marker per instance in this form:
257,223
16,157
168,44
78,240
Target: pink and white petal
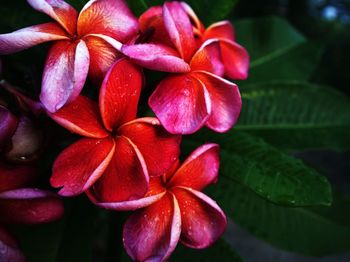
199,170
126,178
15,176
156,57
203,221
65,72
181,103
226,101
30,36
152,233
30,206
81,164
235,59
221,30
8,125
59,10
112,18
180,29
165,149
208,58
9,250
120,93
102,57
82,117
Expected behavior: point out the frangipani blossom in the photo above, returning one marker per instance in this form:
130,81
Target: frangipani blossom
197,95
178,212
86,42
118,153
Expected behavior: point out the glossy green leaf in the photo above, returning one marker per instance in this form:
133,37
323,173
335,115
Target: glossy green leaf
296,116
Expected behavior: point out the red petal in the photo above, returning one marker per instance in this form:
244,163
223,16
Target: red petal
102,55
208,58
81,164
181,103
8,125
165,148
30,36
107,17
65,72
9,251
221,30
59,10
126,177
82,116
29,206
120,93
199,170
198,25
203,222
16,176
152,233
235,59
156,57
179,28
226,101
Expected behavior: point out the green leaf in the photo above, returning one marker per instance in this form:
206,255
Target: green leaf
296,115
273,175
309,231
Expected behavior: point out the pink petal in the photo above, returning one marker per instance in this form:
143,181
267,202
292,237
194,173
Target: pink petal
179,28
126,178
30,206
152,233
81,164
9,250
107,17
156,57
221,30
16,176
198,25
8,125
30,36
199,170
208,58
165,148
226,101
181,103
65,72
119,94
82,116
235,59
203,222
59,10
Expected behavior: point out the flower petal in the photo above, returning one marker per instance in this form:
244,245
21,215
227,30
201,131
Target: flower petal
120,93
126,177
165,148
179,28
29,206
30,36
199,170
221,30
82,116
81,164
226,101
59,10
9,250
181,103
156,57
203,222
8,125
208,58
108,17
16,176
102,57
152,233
65,72
198,25
235,59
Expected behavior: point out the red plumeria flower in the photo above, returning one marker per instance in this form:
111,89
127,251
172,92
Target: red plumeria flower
197,96
119,152
180,212
85,43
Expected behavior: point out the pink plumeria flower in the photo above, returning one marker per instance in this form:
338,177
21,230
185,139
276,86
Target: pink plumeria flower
86,43
197,95
176,211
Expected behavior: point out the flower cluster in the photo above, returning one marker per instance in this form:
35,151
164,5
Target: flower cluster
125,162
